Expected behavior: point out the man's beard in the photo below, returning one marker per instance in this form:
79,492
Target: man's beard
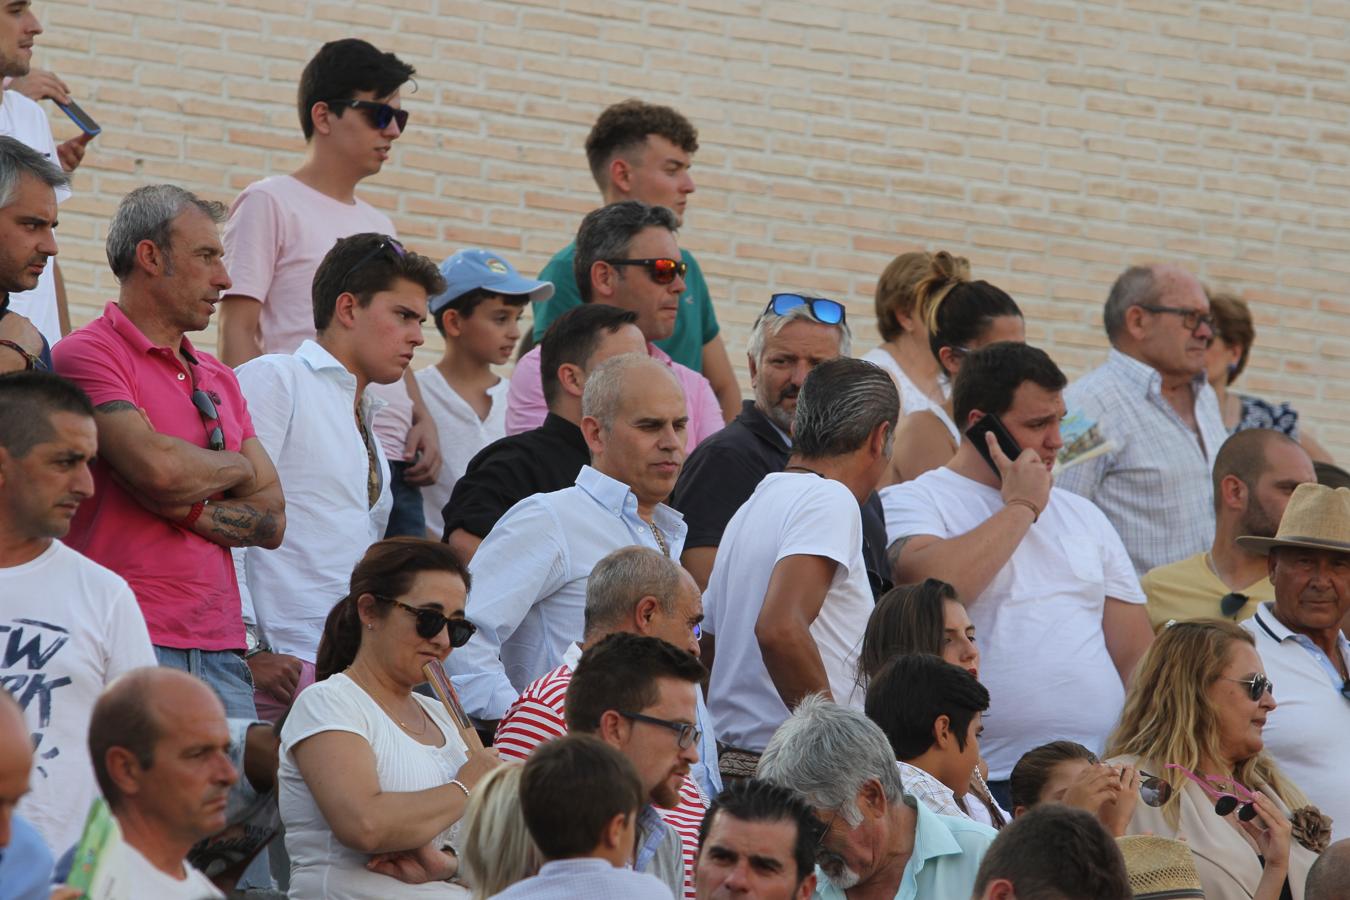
1257,522
839,874
775,412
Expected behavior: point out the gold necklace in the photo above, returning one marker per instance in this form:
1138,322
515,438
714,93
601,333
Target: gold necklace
660,540
351,673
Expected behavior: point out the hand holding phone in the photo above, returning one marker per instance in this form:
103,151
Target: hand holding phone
1022,474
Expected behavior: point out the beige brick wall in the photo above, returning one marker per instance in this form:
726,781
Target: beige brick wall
1051,141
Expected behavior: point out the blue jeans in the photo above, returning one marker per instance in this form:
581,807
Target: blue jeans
224,670
407,518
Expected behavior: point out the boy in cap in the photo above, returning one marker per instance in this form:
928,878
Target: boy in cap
478,315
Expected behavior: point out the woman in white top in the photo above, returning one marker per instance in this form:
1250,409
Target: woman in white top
372,775
960,316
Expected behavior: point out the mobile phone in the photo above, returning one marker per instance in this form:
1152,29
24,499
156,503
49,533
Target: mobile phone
80,117
976,435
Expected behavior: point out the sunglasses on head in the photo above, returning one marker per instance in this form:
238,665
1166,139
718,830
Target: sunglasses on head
431,621
386,245
207,408
378,114
1155,792
828,312
661,270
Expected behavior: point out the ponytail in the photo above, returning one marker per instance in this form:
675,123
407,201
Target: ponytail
341,639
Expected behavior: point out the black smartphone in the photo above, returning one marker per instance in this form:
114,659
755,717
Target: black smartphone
80,117
976,435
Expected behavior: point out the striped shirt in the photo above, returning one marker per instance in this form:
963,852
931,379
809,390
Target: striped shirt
537,716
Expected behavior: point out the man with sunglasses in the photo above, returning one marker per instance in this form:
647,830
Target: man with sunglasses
280,228
181,476
1299,639
634,590
626,256
1152,401
644,151
639,695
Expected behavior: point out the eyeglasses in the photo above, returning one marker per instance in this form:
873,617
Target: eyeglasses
386,244
207,408
827,312
1230,604
431,621
661,270
1191,319
1257,685
378,114
1238,796
688,734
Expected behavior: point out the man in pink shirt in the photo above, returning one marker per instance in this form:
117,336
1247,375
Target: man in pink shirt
180,477
280,228
626,256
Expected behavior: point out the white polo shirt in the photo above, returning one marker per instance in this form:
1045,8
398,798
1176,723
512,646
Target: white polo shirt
1308,734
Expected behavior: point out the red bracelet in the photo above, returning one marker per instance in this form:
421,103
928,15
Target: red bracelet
193,514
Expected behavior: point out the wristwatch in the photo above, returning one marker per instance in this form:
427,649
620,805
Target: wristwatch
253,644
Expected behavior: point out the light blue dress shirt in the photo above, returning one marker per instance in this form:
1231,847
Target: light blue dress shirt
594,879
947,854
529,575
25,864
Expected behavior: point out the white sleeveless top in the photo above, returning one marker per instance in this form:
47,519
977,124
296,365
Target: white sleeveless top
912,399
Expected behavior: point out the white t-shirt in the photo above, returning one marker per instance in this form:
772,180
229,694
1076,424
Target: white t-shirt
1039,623
68,626
789,514
322,866
25,121
462,434
147,881
912,399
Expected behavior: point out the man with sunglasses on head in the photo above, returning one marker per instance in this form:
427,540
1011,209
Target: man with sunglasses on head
634,590
313,413
639,695
181,476
280,228
626,256
1152,401
1299,639
644,151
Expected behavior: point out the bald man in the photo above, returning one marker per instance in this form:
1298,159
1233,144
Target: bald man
160,746
1329,878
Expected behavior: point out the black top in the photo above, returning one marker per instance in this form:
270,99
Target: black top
45,357
723,471
547,458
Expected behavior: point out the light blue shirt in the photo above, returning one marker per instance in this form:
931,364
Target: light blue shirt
25,864
947,854
529,584
594,879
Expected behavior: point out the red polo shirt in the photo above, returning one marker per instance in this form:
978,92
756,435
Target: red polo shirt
184,583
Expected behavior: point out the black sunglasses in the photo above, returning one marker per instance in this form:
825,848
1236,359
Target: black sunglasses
386,244
1257,685
207,407
1155,792
661,269
431,621
378,114
828,312
688,734
1231,604
1191,319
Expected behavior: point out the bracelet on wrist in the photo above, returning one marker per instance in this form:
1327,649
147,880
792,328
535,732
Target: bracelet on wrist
459,784
1035,510
193,514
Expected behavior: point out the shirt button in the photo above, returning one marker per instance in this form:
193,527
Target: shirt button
182,377
641,530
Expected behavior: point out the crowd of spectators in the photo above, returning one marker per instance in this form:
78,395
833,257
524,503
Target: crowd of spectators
930,623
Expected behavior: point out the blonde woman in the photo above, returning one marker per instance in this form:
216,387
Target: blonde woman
1192,727
496,849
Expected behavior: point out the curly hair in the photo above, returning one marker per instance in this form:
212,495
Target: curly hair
623,127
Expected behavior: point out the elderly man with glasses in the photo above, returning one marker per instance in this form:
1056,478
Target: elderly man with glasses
1152,402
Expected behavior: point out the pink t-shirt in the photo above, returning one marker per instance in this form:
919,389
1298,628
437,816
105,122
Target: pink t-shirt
526,409
185,584
279,231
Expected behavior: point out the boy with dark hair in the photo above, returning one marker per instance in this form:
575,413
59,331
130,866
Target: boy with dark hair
478,315
642,151
931,713
1053,851
547,458
580,800
758,839
636,694
281,227
312,413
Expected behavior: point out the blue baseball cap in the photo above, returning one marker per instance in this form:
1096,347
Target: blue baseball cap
470,270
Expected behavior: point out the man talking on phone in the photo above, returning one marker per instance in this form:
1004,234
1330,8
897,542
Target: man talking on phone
1043,575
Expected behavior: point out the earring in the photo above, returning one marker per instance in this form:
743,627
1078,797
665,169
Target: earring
369,627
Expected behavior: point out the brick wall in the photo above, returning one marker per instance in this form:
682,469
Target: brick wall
1051,141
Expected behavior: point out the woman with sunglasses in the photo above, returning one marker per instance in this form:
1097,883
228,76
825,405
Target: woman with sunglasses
1192,727
373,776
959,316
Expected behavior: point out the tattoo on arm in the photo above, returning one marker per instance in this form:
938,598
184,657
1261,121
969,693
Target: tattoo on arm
894,550
237,524
113,406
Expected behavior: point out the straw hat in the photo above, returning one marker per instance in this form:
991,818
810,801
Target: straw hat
1317,516
1159,869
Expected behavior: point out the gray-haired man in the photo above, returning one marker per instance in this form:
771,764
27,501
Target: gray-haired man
877,838
789,595
530,573
28,183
